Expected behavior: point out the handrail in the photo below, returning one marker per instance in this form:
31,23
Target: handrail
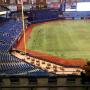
87,87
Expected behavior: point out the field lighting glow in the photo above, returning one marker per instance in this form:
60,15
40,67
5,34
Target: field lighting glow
83,6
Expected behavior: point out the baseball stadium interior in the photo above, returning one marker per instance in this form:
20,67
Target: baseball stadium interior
44,44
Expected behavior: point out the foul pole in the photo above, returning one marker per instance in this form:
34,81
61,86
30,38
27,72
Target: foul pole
23,22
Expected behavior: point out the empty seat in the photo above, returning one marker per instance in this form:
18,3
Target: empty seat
9,64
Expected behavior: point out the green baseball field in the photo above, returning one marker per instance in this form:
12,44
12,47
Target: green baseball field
66,38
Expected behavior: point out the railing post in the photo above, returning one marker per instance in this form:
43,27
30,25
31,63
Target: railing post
42,81
24,82
61,81
78,81
6,82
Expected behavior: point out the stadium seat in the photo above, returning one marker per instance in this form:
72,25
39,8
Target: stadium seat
10,65
9,33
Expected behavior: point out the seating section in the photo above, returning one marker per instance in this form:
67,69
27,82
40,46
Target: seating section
84,0
76,15
10,30
42,15
10,65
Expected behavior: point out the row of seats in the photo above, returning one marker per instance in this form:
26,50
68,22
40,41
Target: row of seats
10,30
4,47
2,21
8,58
36,16
9,33
10,65
76,14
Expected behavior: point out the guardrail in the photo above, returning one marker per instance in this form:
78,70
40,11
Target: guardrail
42,83
33,87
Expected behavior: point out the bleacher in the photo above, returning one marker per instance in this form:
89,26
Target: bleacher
10,30
36,16
10,65
77,14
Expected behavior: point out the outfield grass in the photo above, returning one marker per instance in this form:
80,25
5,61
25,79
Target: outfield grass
68,38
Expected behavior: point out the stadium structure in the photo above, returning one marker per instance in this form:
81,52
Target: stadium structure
24,43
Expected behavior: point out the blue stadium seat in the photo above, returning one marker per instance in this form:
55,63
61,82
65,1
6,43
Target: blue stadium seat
10,31
10,65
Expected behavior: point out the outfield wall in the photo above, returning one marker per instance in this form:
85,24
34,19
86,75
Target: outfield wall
77,14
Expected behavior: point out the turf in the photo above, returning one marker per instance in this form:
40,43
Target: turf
67,39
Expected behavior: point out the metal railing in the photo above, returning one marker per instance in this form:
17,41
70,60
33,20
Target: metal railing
42,83
56,87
